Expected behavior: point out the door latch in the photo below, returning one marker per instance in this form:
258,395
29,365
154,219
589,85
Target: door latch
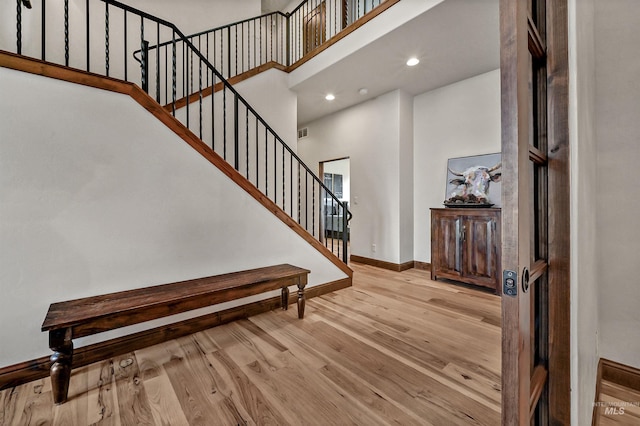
509,283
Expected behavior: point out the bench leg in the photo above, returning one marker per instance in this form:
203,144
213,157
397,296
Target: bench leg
301,299
62,347
285,298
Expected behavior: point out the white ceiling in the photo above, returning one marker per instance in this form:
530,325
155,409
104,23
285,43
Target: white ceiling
269,6
454,40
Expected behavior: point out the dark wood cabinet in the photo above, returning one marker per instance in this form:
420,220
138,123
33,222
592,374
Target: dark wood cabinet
465,245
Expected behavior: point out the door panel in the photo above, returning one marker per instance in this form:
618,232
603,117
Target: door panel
315,31
535,212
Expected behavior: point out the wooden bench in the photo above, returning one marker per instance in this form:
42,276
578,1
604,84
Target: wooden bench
66,321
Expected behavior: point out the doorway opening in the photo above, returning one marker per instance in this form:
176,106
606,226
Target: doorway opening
335,230
315,31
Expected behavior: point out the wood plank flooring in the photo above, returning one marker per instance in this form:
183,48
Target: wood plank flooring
394,349
619,405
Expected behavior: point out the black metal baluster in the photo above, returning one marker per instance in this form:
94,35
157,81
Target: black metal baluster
248,45
19,27
166,75
260,52
236,51
190,72
270,38
144,50
106,38
157,50
288,50
275,171
221,53
299,194
332,231
213,110
299,29
208,58
228,52
224,122
291,184
187,78
345,232
336,9
200,96
306,200
266,162
313,208
173,73
66,33
255,63
44,29
87,25
246,138
284,184
126,67
257,156
241,49
183,85
236,134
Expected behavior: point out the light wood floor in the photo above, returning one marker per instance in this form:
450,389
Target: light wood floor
396,348
619,405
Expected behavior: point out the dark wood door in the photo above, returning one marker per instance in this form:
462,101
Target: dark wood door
315,28
535,212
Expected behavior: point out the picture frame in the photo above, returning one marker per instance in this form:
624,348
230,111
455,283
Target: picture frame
456,168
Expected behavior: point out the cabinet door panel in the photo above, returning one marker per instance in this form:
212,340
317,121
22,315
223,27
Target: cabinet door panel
448,252
480,242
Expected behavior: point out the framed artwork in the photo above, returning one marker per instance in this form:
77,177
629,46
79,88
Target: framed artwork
474,181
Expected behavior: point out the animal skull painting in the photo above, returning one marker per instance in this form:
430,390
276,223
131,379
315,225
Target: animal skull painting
472,185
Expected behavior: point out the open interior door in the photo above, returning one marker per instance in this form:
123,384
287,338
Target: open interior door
535,212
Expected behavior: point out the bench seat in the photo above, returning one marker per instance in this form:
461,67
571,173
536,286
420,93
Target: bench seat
68,320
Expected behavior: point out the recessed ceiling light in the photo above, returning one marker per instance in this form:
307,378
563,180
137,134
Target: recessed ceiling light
330,97
413,62
363,91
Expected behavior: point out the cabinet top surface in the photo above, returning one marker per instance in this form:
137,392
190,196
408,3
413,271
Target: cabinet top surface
466,209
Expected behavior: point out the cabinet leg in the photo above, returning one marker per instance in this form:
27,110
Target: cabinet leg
62,347
285,298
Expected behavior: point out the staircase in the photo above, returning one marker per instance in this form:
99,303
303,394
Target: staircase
188,76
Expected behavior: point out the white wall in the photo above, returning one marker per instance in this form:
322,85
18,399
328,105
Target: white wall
259,91
262,91
458,120
369,135
192,16
584,178
617,107
405,175
391,19
98,196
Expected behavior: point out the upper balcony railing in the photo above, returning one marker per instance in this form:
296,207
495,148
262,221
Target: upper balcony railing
316,22
100,36
282,38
